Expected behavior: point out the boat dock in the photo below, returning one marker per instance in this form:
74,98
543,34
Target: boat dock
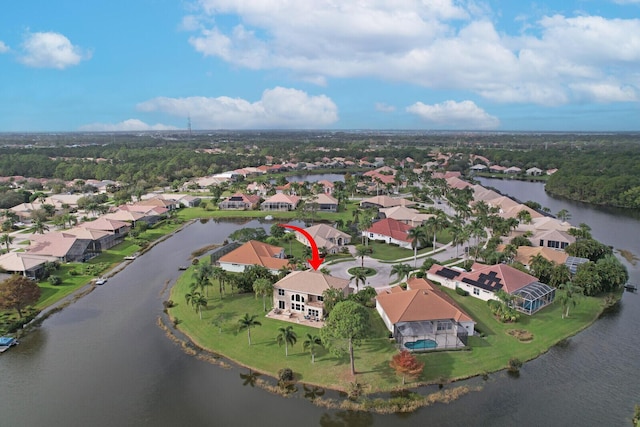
631,287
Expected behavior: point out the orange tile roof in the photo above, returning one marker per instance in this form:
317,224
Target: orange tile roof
256,253
420,302
392,228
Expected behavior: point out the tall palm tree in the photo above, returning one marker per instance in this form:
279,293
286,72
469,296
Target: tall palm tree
198,302
219,274
6,239
248,322
569,297
202,274
418,235
359,275
39,227
401,270
289,237
310,343
288,337
361,252
437,223
263,287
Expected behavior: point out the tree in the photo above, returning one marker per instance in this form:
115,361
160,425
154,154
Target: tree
563,215
202,274
361,252
360,276
569,297
6,239
418,236
310,343
263,287
39,227
331,297
348,321
248,322
406,364
401,270
288,337
540,267
435,224
560,274
17,292
197,301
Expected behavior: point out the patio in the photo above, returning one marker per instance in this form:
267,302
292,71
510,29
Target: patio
293,317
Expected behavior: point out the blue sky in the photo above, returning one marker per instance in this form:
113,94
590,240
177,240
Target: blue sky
504,65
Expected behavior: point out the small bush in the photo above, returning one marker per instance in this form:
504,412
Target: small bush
285,375
514,365
461,292
55,280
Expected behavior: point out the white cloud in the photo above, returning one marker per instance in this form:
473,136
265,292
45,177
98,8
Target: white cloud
50,50
278,108
3,47
384,108
132,125
452,114
440,44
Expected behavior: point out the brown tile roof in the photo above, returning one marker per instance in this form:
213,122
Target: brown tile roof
525,253
311,282
489,277
106,224
387,202
256,253
283,198
420,301
392,228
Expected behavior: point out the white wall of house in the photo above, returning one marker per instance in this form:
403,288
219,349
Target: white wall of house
384,316
386,239
473,290
234,268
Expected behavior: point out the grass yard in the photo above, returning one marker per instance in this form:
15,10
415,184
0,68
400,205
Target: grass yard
372,358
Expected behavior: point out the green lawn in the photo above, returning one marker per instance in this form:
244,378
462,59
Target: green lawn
372,358
487,354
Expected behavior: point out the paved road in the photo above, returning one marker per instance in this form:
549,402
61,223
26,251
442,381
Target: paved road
383,278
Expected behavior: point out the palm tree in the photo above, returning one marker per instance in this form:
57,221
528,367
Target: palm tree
263,287
286,336
198,302
563,215
361,252
401,270
203,273
219,274
39,227
569,297
6,239
289,237
248,322
310,343
360,275
417,235
435,224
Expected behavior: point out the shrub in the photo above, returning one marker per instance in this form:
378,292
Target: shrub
285,375
461,292
55,280
514,365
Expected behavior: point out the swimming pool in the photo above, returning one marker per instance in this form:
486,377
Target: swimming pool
421,344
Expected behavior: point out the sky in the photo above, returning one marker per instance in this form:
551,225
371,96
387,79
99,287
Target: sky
494,65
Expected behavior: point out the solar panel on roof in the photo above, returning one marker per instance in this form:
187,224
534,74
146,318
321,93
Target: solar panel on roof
448,273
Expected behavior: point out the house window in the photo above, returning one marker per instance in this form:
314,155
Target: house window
320,298
541,242
297,297
476,291
281,292
281,305
293,298
563,245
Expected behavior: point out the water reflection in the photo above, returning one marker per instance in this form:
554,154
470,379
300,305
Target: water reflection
250,378
313,392
347,419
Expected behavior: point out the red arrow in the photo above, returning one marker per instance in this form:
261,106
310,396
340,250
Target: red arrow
316,260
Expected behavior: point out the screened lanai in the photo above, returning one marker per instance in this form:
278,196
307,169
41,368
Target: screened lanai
533,297
428,335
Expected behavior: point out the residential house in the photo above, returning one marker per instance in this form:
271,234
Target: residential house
125,216
406,215
497,169
555,239
385,202
325,202
325,236
29,265
254,252
484,281
280,202
390,231
513,170
63,246
327,186
240,201
423,317
100,240
534,171
301,293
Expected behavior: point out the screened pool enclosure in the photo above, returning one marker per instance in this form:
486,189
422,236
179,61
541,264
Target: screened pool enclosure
428,335
533,297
